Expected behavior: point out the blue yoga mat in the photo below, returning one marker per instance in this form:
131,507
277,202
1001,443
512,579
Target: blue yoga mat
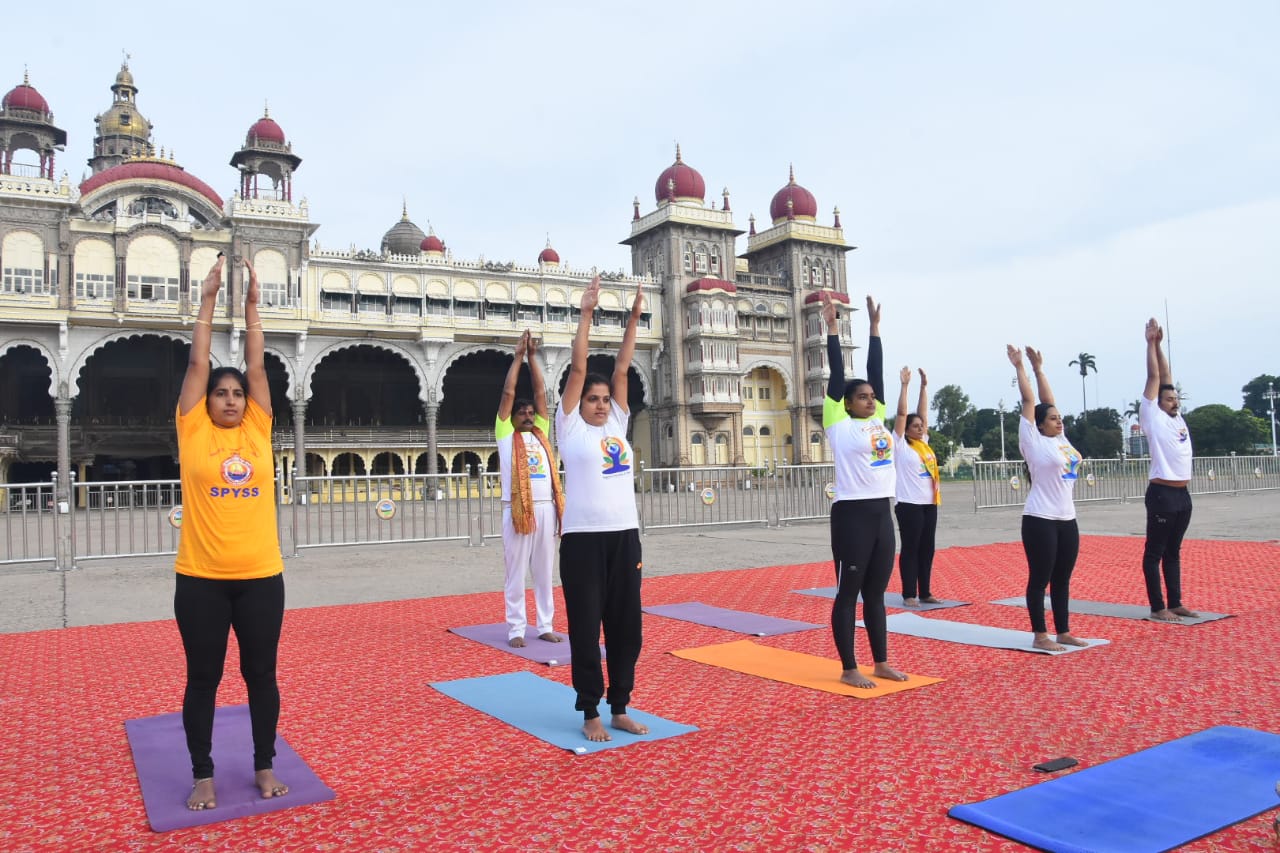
544,709
1154,800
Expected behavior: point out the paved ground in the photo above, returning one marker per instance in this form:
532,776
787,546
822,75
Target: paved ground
141,589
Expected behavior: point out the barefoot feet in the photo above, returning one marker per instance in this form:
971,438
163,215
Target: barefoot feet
268,785
910,602
551,637
594,730
929,599
1182,611
1043,642
853,678
202,796
1070,640
516,642
623,723
883,670
1165,615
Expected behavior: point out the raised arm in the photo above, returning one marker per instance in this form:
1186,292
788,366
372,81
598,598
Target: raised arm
900,419
922,405
535,376
1042,383
197,377
581,341
255,345
625,352
509,385
1158,372
835,357
875,355
1024,384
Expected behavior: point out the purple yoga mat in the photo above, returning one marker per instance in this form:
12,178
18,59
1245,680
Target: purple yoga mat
538,651
164,771
756,624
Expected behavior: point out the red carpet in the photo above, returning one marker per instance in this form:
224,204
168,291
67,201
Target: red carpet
774,767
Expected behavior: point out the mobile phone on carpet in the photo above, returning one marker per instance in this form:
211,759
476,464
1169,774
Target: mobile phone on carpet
1055,765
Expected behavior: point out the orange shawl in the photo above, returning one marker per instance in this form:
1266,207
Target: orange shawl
522,490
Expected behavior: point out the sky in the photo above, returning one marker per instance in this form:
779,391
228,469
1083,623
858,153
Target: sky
1040,174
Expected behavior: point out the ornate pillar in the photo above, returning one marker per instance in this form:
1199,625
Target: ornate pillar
433,410
799,435
300,436
62,493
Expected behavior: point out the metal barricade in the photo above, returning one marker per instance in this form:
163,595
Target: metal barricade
29,522
690,497
125,518
1261,472
805,492
361,509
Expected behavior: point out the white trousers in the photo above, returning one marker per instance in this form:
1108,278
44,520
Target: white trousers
535,553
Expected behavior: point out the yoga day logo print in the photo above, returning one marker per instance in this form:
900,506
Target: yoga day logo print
386,509
537,471
236,470
616,460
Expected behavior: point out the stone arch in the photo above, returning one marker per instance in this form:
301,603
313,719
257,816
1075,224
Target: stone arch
390,346
54,376
290,374
77,366
643,371
462,352
773,363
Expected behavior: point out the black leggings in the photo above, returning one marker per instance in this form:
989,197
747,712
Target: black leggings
205,610
600,578
1168,515
1051,547
862,547
918,528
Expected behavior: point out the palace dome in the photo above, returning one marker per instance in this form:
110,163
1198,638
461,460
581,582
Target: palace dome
150,170
403,238
802,203
680,182
25,97
266,130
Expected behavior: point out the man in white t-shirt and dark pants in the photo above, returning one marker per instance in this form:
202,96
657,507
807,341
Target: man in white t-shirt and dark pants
532,500
1168,500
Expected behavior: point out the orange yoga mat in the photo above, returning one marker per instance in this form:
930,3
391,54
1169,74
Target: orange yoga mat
796,668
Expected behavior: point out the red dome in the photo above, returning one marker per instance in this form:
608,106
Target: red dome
549,256
25,97
816,296
681,182
266,130
432,243
803,204
150,170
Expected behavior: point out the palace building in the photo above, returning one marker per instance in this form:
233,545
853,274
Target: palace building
382,362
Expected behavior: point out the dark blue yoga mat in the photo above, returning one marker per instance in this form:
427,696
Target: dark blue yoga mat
1154,800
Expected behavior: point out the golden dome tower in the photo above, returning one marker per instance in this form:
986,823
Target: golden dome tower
123,132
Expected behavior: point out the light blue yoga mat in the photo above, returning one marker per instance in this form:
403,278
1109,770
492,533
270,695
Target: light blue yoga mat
544,709
972,635
1121,611
1154,800
891,599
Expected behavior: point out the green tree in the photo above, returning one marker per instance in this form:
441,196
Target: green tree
950,405
1254,390
1097,434
1216,430
1084,362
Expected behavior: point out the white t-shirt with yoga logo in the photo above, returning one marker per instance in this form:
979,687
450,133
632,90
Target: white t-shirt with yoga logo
599,473
863,451
1054,465
915,483
1168,440
539,465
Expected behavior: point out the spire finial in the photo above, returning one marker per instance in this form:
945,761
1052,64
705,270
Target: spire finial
125,57
837,215
725,193
678,160
792,178
404,209
266,110
635,209
752,231
548,239
26,79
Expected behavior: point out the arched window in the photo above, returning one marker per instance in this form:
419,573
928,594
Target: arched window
697,438
748,430
764,430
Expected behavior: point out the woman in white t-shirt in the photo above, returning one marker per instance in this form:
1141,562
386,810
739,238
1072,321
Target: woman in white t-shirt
1050,535
600,542
918,494
861,524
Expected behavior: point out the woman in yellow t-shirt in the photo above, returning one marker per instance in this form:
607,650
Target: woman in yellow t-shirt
229,571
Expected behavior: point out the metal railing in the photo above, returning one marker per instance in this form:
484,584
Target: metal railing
125,518
690,497
1005,484
30,526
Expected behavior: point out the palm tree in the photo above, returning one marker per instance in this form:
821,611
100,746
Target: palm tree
1134,410
1084,362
